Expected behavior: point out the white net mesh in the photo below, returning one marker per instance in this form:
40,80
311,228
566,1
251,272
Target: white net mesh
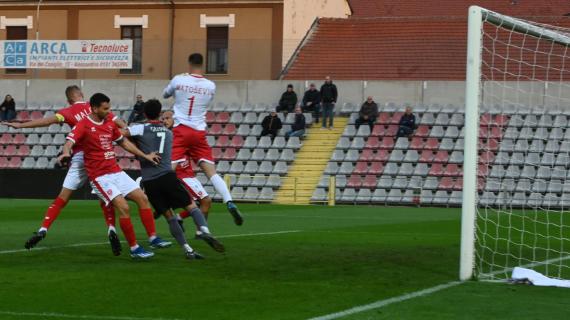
523,216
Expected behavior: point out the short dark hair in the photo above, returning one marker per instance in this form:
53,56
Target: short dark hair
152,109
70,90
196,59
98,99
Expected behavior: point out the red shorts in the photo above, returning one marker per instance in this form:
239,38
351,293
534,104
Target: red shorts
192,143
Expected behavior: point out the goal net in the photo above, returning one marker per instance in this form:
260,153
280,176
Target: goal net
516,199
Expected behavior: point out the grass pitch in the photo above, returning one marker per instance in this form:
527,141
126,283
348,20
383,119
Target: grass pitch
285,262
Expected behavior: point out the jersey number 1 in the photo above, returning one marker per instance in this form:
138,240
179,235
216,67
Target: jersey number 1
191,105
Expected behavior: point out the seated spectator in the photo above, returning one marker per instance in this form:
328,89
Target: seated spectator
271,125
407,123
368,113
288,100
312,101
137,115
8,109
298,128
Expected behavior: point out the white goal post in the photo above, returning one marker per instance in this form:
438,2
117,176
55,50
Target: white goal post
490,56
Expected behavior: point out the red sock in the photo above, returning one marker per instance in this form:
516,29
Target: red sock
53,211
184,214
148,221
128,231
108,213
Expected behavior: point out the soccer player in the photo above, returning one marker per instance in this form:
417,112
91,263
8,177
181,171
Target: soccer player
96,133
160,183
185,173
76,175
193,93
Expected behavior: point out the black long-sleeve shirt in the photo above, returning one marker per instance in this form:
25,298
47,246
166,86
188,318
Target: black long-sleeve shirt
313,96
329,93
408,120
299,123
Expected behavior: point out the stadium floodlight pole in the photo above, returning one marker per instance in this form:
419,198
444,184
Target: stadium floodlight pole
37,30
472,83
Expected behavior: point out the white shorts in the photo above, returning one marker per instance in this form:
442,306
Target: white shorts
108,187
76,175
195,188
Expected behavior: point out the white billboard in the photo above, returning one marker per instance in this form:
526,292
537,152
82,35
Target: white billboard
66,54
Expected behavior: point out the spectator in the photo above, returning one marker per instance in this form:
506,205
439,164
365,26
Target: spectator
312,101
298,127
288,100
137,115
407,123
8,109
368,113
329,94
271,125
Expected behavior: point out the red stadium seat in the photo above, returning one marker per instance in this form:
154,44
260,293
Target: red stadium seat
10,150
237,142
223,117
361,168
135,165
3,162
422,131
23,116
482,170
378,131
487,157
383,118
396,117
486,120
376,168
387,143
436,170
229,154
15,163
489,144
446,183
382,156
222,141
229,129
35,115
369,182
217,153
431,144
441,157
372,143
19,138
23,151
367,155
215,130
452,170
417,143
501,120
6,138
496,133
458,186
355,181
210,117
124,163
391,131
426,156
480,184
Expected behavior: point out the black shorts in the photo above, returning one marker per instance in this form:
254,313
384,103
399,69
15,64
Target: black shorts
166,192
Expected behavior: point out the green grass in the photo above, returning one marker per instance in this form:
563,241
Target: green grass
336,259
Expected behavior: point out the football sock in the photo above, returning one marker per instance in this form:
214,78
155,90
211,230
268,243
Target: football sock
199,219
52,212
148,221
108,213
221,187
176,231
128,231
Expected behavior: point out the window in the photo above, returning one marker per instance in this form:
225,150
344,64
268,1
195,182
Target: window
16,33
134,33
217,47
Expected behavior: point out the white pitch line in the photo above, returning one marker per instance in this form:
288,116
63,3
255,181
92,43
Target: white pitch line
386,302
101,243
74,316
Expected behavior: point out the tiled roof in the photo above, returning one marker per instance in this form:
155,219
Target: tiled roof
423,8
400,49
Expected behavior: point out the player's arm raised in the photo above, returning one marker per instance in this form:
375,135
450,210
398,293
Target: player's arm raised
153,157
169,90
43,122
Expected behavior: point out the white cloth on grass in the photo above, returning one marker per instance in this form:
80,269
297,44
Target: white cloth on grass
538,279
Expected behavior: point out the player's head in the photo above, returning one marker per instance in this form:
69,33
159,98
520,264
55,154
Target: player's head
196,61
152,109
168,119
100,105
73,94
